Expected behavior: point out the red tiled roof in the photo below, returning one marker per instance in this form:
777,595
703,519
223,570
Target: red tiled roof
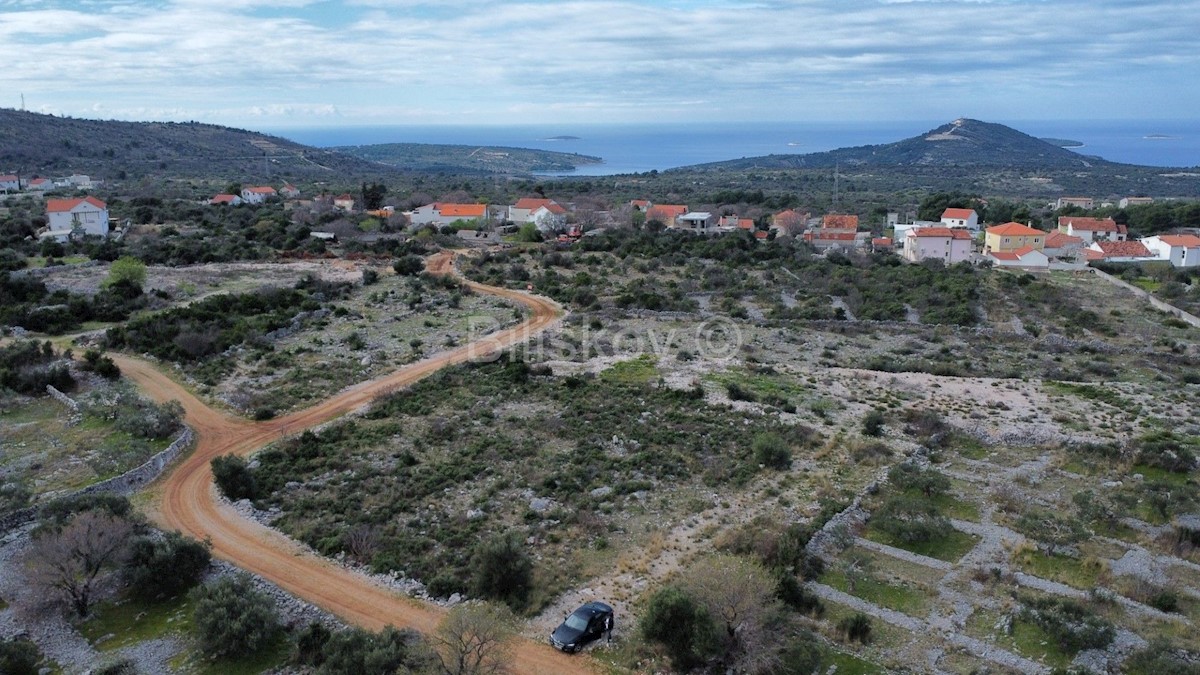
838,221
1014,230
1122,249
943,232
262,190
532,203
1184,240
223,199
759,234
1060,239
1012,255
8,178
554,208
881,241
834,236
666,211
462,210
964,214
1089,224
64,205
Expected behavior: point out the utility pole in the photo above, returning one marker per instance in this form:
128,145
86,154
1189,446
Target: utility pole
836,185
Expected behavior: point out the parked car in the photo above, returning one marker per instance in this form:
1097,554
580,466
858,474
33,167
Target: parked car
585,625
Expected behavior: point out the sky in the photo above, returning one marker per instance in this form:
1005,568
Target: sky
324,63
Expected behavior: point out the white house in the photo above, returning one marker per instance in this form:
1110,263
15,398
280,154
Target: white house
696,221
1181,250
85,213
443,213
1119,251
948,244
39,184
230,200
1126,202
258,194
961,218
288,190
1092,229
10,183
523,210
1062,245
549,218
1026,257
1081,202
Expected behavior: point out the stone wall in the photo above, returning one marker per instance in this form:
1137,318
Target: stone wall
126,484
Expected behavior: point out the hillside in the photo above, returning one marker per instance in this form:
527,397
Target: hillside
468,158
36,144
963,142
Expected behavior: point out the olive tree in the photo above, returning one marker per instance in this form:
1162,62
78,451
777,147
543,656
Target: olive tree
475,639
73,560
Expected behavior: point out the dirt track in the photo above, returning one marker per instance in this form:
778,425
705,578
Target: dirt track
186,499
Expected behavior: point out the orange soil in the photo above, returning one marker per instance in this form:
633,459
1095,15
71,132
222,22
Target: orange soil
186,499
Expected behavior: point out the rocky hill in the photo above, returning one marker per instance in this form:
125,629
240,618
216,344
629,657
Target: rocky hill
963,142
36,144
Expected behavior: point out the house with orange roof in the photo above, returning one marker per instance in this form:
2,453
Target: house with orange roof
225,199
966,218
1181,250
10,183
839,222
83,214
1026,257
547,214
444,213
1012,236
882,244
735,222
948,244
257,194
1062,245
289,191
667,214
640,204
1120,251
39,184
344,202
1093,229
789,222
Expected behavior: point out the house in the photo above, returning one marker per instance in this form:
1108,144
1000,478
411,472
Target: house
667,214
344,202
789,222
823,239
39,184
1012,236
444,213
1127,202
882,244
289,191
735,222
1119,251
1081,202
258,194
641,205
961,218
10,183
1026,257
547,214
839,221
948,244
1092,229
696,221
88,214
229,200
1062,245
1181,250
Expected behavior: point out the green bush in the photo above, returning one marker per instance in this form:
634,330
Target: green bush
232,618
872,424
675,621
856,627
234,477
910,520
409,265
771,451
166,566
1073,626
19,656
358,652
502,570
910,477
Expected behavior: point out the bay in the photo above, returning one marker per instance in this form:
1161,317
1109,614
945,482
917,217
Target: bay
638,148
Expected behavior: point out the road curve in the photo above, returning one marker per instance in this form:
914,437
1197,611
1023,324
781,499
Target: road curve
186,499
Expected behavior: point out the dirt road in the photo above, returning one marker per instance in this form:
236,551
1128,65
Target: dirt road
186,499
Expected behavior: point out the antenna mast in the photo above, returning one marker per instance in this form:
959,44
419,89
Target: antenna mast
22,102
836,180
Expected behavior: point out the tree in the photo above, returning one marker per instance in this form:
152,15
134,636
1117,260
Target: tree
165,566
674,620
739,594
409,265
502,570
372,196
529,233
360,652
72,560
232,618
474,639
127,276
233,477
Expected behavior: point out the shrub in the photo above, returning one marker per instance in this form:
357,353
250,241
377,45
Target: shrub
856,627
118,667
409,265
355,651
872,424
772,451
910,520
163,567
675,621
234,477
232,618
19,656
929,482
102,365
502,570
61,510
1072,626
1165,450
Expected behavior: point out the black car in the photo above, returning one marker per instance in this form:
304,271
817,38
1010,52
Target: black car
586,624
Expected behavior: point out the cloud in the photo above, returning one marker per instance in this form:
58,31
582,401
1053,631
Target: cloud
604,60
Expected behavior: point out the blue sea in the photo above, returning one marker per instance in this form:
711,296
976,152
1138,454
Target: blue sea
636,148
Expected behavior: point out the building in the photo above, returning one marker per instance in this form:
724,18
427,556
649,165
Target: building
1026,257
966,218
344,202
1119,251
1127,202
289,191
696,221
948,244
667,214
735,222
229,200
789,222
86,214
1081,202
1062,245
839,221
1012,236
10,183
258,194
443,213
1092,229
1181,250
39,184
547,214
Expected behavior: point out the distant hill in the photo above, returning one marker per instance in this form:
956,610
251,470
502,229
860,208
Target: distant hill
963,142
32,143
470,158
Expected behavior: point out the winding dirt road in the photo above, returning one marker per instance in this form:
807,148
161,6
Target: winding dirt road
186,499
